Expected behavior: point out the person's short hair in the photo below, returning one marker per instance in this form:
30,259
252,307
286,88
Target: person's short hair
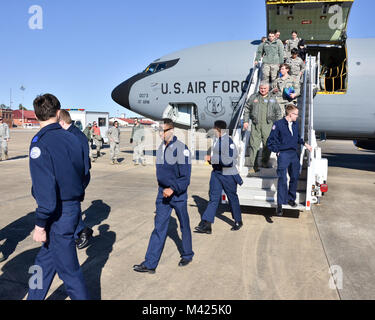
264,38
115,122
220,124
294,32
294,51
46,106
276,31
168,122
287,66
289,108
65,116
271,32
264,83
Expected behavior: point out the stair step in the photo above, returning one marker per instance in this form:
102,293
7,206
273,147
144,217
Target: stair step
267,183
265,195
268,204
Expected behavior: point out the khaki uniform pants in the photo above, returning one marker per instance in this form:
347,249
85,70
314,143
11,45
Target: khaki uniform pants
138,152
3,148
114,150
99,145
269,72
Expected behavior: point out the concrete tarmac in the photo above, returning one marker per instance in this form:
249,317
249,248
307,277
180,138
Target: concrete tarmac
269,258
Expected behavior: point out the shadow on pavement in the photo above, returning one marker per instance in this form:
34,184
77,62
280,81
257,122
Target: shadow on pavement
364,162
202,203
16,232
97,256
15,277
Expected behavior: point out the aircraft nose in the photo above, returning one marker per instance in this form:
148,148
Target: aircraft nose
121,93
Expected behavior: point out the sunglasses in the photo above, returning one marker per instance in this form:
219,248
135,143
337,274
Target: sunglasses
164,131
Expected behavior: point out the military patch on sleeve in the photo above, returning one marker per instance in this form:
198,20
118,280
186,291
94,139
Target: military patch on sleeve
35,153
186,153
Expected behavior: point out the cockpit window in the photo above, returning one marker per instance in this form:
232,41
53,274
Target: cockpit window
157,67
160,67
151,68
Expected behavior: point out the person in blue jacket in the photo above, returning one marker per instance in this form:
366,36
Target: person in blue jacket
83,233
224,176
57,169
173,171
285,141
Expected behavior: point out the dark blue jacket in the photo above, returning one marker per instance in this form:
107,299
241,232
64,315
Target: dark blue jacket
281,139
86,151
173,168
57,170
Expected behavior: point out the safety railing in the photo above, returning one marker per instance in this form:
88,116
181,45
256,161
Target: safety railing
238,109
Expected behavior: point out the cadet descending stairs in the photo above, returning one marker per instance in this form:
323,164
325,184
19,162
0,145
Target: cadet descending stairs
260,190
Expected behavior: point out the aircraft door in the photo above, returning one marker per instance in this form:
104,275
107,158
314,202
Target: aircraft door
182,114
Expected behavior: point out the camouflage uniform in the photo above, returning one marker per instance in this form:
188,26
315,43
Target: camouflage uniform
263,112
138,136
281,44
4,134
113,135
290,44
273,56
296,67
98,142
281,84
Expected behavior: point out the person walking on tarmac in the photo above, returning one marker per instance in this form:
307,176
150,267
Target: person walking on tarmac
113,135
173,171
4,138
87,133
224,176
286,88
262,110
273,55
97,139
57,168
285,140
138,137
82,234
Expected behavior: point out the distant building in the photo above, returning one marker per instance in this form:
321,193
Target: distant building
7,114
128,122
29,118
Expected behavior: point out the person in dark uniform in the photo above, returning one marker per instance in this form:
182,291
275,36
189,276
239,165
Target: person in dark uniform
57,168
285,140
173,171
224,176
83,233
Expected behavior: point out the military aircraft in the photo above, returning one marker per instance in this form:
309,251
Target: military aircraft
203,84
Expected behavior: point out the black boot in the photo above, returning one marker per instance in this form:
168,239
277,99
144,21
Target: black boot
204,227
279,210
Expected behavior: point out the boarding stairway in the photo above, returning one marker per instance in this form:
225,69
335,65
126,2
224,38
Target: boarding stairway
260,190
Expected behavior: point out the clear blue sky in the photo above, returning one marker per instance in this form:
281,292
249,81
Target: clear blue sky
87,47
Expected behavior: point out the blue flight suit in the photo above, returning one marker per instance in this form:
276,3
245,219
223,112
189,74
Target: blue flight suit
224,176
57,171
86,151
287,146
173,170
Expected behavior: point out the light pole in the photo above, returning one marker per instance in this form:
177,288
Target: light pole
23,90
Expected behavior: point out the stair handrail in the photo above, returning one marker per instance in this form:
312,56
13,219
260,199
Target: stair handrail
238,109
